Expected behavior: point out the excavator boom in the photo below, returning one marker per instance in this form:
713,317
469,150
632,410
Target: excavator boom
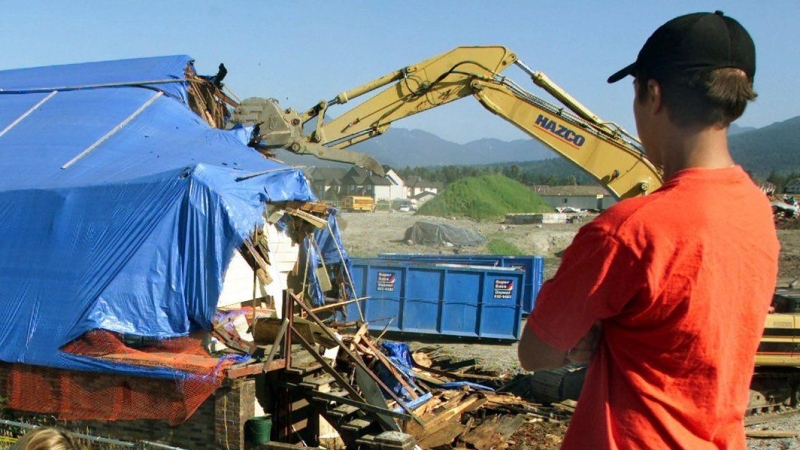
601,149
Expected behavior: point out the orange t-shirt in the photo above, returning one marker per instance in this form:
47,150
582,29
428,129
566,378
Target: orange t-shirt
681,281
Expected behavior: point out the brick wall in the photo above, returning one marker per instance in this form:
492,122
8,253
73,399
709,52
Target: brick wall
234,405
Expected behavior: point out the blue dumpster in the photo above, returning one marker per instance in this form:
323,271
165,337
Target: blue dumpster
532,265
441,299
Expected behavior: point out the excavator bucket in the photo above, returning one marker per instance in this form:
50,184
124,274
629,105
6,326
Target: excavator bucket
279,128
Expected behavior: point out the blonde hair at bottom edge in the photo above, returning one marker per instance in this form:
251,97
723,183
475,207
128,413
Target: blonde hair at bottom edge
45,439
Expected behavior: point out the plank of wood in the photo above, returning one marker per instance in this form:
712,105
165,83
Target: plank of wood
362,330
430,405
337,305
456,376
253,369
485,435
346,400
354,357
442,437
449,415
276,344
771,434
509,425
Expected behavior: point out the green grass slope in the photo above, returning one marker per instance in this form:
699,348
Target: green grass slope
486,197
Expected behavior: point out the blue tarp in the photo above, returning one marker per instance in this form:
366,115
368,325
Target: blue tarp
133,237
329,246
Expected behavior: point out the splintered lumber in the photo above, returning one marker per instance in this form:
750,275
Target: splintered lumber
337,304
310,218
220,331
454,375
362,330
261,265
447,416
354,357
443,437
509,403
422,376
566,405
484,436
422,359
311,207
493,432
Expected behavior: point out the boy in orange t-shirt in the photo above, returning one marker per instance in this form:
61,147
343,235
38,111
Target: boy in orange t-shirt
668,293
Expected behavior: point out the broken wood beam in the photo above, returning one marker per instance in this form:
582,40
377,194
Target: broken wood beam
355,358
336,305
771,434
253,369
348,401
276,344
441,420
445,373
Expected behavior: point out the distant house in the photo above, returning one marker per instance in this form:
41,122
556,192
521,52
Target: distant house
416,185
792,187
422,197
581,197
360,181
326,181
396,190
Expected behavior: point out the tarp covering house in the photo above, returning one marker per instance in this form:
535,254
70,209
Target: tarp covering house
119,208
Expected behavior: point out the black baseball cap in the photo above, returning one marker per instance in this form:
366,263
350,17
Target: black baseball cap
692,44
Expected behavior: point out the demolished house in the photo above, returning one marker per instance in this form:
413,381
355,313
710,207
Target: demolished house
122,204
166,285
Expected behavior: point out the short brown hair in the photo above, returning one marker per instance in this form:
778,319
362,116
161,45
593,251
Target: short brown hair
717,97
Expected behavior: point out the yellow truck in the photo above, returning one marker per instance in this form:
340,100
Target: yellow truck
355,203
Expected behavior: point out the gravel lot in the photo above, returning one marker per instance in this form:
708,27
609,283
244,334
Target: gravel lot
367,234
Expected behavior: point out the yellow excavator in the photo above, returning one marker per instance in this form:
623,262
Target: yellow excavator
602,149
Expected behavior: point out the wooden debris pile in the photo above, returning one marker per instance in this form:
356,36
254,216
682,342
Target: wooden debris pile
470,415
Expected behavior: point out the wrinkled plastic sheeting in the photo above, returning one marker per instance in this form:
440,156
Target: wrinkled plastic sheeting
330,247
436,234
165,74
399,354
135,236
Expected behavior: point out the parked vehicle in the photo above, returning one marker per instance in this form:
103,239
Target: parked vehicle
355,203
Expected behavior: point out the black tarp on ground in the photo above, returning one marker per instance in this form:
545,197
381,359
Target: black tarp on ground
436,234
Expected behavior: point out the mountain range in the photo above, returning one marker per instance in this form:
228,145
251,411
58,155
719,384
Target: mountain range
758,150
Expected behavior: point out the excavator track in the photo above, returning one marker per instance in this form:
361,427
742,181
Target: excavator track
773,391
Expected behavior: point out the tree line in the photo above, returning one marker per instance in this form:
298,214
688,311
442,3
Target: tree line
780,180
552,172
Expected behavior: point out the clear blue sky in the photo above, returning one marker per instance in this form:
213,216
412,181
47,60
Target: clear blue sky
301,51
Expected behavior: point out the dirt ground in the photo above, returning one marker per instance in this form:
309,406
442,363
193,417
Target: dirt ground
368,234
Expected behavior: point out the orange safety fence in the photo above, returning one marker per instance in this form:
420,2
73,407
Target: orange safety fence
77,395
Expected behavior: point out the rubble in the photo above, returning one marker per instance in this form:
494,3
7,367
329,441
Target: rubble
366,389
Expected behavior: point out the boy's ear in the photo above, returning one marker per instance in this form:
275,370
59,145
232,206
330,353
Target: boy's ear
654,98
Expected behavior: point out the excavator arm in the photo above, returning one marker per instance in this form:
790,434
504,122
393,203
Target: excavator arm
603,150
